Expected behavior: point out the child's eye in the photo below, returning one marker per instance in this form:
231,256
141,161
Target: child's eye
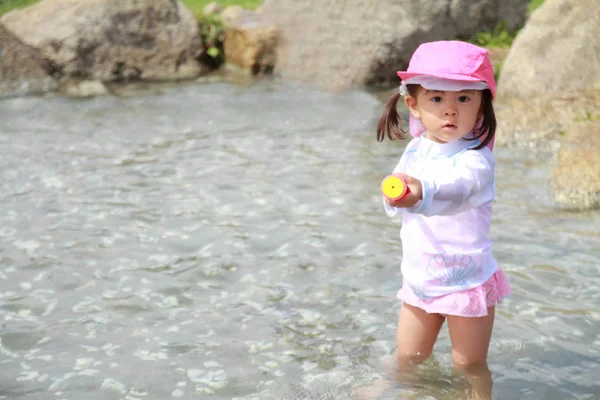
463,99
436,99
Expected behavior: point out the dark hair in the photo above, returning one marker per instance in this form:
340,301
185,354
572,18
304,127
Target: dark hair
488,127
390,121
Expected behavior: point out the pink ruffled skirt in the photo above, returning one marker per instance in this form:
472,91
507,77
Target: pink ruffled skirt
469,303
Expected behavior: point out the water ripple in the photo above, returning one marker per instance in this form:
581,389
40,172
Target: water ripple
227,242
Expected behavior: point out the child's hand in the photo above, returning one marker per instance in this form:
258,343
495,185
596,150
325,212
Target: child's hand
412,197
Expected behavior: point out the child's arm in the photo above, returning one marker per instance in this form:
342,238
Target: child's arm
471,185
393,207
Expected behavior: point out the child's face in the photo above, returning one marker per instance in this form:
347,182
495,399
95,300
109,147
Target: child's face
446,115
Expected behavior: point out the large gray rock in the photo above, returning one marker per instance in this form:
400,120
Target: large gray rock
22,70
110,40
557,50
344,43
539,120
575,178
549,95
550,76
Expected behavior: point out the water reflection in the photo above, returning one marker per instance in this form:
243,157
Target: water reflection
429,380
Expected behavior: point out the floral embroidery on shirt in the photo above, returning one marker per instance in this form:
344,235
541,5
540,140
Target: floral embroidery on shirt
450,269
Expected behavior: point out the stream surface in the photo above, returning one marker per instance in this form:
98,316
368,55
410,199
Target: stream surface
227,241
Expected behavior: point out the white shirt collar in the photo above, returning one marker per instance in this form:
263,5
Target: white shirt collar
431,149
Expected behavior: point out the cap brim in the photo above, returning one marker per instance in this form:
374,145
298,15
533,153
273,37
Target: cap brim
455,77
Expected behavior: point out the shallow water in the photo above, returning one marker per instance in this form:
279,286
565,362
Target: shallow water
227,241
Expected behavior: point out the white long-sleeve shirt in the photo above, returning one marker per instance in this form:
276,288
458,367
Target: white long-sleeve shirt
445,236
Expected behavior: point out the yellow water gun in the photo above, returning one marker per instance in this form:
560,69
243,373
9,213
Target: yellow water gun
394,187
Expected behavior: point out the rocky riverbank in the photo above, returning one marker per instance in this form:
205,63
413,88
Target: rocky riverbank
548,88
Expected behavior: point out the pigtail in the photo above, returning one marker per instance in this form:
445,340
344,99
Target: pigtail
390,121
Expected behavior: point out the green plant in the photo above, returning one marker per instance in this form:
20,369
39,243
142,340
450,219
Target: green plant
500,36
212,32
533,4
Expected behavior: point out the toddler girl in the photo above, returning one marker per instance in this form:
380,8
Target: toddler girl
448,270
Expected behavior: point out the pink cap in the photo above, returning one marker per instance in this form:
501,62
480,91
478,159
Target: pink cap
454,60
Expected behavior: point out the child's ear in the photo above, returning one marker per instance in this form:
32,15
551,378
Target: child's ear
411,104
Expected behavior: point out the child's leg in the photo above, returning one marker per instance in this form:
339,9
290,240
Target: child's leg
470,343
470,338
416,335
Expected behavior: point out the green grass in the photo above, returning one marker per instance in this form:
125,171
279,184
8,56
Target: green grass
195,5
533,4
198,5
7,5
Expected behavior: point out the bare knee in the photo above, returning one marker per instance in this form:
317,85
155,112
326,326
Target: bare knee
467,358
470,339
468,362
412,358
